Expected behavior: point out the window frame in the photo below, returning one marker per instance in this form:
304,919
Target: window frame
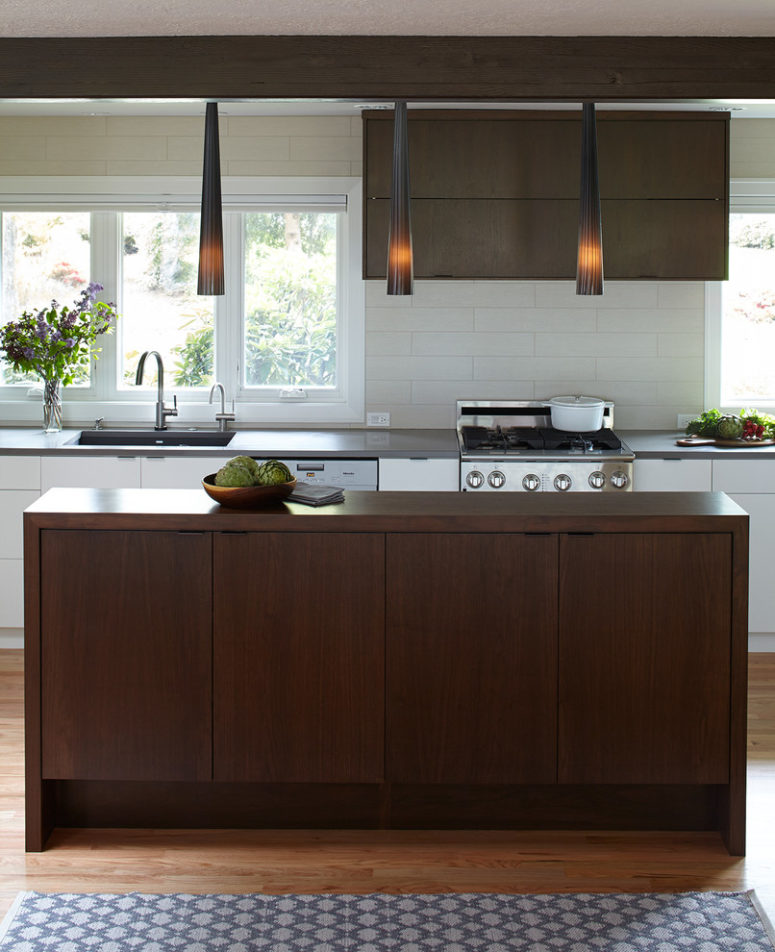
106,196
745,195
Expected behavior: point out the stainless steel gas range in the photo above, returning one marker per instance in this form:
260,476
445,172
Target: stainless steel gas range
510,446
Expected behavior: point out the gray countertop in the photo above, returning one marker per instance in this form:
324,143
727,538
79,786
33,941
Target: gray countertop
348,443
660,444
333,443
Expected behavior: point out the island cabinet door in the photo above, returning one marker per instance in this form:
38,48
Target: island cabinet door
645,658
299,665
472,658
126,642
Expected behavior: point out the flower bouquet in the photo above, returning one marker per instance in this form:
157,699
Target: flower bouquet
56,343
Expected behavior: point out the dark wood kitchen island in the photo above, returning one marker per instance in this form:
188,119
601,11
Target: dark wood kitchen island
404,660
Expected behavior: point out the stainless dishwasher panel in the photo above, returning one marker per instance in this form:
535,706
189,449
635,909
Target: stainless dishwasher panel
347,473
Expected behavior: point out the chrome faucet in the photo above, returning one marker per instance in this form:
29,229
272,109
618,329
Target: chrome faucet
162,412
223,417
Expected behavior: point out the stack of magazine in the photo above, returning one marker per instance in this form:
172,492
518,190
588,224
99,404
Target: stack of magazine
312,494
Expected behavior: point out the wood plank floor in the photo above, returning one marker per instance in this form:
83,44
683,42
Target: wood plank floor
388,861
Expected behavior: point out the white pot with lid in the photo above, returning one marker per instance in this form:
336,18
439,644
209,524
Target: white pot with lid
577,414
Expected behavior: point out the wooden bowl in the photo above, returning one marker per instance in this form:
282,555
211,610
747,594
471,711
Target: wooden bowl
246,497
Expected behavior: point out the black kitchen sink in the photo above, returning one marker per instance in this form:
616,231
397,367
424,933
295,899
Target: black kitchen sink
154,438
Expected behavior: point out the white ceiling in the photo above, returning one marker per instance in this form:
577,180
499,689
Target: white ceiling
422,17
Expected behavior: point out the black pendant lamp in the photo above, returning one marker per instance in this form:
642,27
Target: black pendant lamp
400,261
589,265
210,280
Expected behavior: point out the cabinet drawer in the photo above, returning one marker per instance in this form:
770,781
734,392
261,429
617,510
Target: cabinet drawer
12,505
744,476
169,472
415,475
672,475
91,472
11,593
19,472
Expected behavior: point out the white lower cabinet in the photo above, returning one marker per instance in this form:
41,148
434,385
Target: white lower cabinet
672,475
170,472
419,474
90,472
751,483
19,487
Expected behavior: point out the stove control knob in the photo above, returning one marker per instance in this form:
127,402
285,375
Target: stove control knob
597,480
531,482
496,479
619,480
474,479
562,483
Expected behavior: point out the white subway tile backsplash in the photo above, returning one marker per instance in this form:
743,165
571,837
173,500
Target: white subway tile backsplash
554,320
534,368
592,345
309,126
283,167
88,148
15,148
474,344
12,126
649,368
325,147
381,393
616,294
431,319
645,418
505,293
681,345
378,342
419,368
688,395
160,125
681,294
627,393
651,320
446,293
447,392
51,167
159,167
424,415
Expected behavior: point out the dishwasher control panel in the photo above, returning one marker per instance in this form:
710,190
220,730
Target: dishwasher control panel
347,473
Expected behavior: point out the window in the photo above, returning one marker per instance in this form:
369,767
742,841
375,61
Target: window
160,309
45,257
740,331
286,340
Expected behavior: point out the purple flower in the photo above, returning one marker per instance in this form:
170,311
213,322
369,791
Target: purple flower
28,352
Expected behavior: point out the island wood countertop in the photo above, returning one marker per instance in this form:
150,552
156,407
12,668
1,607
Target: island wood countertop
391,511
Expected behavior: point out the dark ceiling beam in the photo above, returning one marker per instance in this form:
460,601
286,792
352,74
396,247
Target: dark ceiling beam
435,68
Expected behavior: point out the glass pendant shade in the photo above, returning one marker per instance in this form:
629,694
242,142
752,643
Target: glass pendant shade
589,265
400,260
210,279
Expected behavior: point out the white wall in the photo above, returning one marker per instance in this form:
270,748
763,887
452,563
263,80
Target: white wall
641,344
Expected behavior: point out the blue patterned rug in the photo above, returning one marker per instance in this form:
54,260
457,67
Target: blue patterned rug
481,922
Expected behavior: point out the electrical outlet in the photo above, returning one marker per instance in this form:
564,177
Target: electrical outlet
684,418
378,419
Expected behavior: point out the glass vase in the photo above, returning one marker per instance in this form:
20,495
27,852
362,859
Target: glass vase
52,405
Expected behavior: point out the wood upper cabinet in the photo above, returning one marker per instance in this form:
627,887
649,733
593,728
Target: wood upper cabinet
471,658
299,657
644,658
126,655
495,195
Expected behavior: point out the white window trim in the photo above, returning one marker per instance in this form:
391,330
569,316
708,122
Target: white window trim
241,193
745,195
